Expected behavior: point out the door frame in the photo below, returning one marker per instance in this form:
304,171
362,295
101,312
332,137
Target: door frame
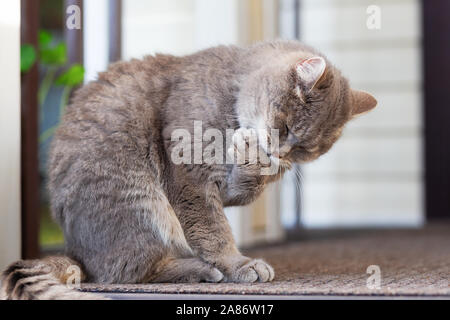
30,204
29,137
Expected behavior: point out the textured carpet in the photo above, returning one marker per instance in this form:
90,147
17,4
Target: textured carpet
412,263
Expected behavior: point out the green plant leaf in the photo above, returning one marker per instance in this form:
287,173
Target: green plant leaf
27,57
45,38
72,77
47,134
56,56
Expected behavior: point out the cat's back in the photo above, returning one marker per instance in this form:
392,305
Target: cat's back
121,102
107,124
137,89
124,109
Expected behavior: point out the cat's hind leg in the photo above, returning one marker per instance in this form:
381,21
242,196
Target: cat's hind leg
185,270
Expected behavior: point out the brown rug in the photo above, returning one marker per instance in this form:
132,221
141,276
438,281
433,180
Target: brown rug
412,263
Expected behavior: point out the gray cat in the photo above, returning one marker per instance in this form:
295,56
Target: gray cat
129,213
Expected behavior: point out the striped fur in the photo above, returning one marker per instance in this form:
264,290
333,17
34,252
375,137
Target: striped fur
41,280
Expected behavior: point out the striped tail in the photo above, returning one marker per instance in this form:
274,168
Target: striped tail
42,280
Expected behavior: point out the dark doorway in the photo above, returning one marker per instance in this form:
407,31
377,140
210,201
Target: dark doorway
436,58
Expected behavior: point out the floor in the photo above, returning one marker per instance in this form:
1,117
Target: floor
374,264
211,297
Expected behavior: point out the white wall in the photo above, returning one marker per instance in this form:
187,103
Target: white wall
9,132
152,26
96,37
216,23
373,175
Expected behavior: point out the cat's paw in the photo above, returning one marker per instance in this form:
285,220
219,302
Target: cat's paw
214,275
253,270
245,146
204,274
249,156
246,150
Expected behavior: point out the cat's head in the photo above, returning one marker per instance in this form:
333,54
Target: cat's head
307,100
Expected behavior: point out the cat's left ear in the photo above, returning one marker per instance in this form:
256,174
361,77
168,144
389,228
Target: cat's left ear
362,102
310,71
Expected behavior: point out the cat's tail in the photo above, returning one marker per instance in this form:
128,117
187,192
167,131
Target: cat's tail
52,278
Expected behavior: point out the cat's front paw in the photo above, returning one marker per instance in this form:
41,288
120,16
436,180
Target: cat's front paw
249,156
252,270
246,149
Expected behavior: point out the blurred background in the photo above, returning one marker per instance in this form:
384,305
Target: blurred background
377,175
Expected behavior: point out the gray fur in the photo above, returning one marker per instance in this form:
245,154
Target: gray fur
129,215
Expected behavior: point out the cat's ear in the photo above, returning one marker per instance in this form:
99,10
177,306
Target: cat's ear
362,102
310,71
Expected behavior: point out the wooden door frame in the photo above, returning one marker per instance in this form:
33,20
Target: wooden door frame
30,203
29,139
